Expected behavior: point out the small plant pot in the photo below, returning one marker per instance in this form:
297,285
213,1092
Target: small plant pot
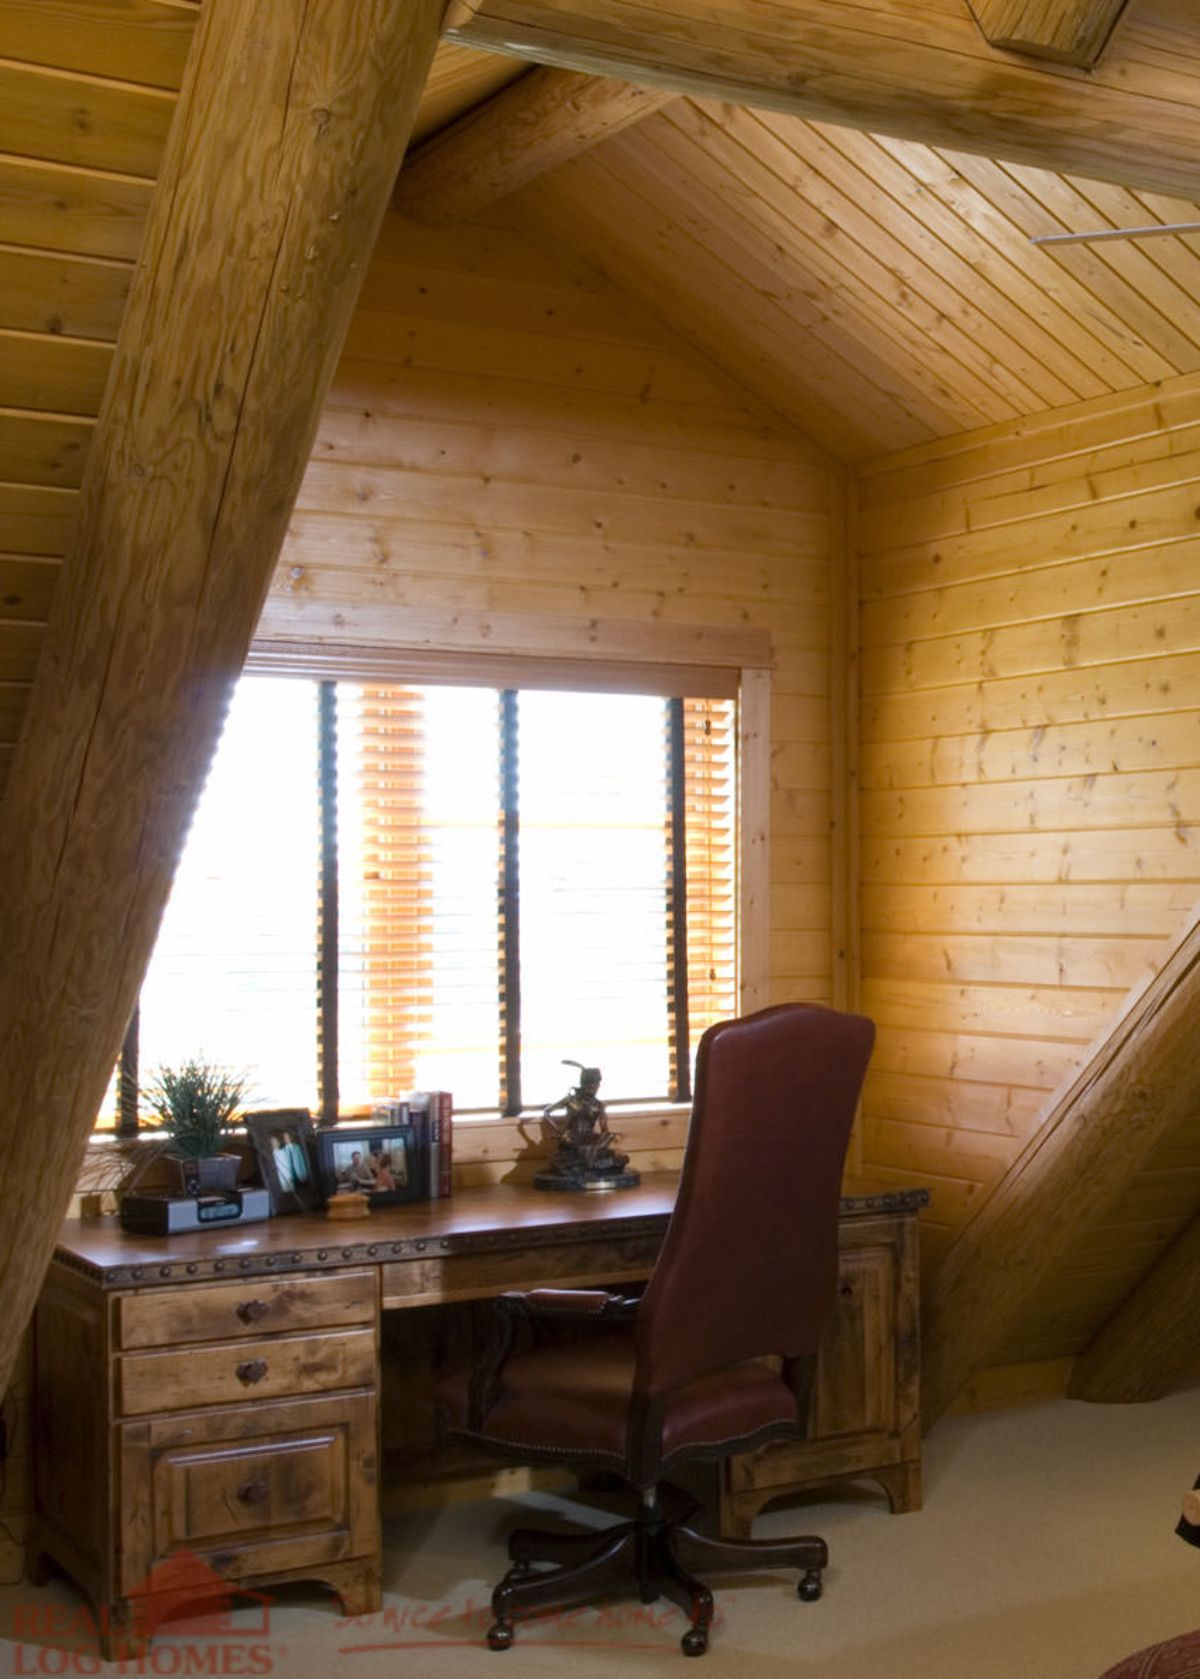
214,1174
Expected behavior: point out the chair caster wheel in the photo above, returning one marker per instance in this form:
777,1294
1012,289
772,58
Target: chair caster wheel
809,1589
500,1635
694,1641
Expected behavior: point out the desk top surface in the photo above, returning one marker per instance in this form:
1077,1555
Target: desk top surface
471,1221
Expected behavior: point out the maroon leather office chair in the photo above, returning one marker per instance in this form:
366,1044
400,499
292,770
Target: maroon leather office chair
747,1269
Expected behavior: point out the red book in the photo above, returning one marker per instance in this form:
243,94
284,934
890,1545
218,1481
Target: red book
445,1102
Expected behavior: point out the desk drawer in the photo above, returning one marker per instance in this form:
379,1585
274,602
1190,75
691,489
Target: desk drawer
473,1276
170,1317
289,1484
229,1372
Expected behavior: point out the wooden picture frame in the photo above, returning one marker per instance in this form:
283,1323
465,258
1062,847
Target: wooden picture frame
287,1159
379,1161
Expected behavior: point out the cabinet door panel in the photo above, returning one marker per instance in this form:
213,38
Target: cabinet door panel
856,1386
263,1488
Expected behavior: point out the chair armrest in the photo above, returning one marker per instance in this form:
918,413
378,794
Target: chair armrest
571,1303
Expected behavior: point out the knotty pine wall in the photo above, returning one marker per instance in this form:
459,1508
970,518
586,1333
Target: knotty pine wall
1030,809
508,434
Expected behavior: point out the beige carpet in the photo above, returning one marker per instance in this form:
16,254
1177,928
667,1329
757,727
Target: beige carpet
1045,1551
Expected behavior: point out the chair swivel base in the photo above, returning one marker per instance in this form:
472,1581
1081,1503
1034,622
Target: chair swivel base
648,1553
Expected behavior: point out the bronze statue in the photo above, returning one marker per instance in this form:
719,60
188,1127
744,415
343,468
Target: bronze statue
586,1156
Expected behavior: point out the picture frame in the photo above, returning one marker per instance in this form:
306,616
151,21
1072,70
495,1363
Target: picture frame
287,1161
379,1161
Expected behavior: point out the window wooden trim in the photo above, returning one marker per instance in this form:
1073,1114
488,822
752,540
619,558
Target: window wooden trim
655,659
615,655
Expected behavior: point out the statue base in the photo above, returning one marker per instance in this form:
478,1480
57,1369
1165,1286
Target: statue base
599,1178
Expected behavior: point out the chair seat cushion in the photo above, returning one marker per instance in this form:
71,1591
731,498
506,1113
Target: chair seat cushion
564,1401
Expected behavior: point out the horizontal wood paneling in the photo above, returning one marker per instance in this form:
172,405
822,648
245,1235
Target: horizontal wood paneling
1031,799
87,91
509,437
138,41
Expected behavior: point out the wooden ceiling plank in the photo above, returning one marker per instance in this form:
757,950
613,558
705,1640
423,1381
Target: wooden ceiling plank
818,366
42,449
638,227
20,646
134,40
36,519
52,373
1123,356
78,120
527,129
859,282
44,291
1152,1336
1134,1086
855,201
1063,31
994,251
27,584
1176,257
76,211
876,66
1176,307
652,221
1018,199
14,697
222,367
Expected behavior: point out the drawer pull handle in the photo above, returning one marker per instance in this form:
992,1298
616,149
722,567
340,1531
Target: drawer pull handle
251,1310
253,1492
253,1370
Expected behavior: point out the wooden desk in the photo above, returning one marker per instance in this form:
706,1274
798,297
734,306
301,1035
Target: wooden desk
217,1393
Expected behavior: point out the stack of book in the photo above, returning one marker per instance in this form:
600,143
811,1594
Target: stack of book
430,1115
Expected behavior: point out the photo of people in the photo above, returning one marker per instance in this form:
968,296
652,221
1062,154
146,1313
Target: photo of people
291,1163
283,1144
373,1163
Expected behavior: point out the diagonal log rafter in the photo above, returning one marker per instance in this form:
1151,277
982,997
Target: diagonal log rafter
1137,1083
528,128
932,78
290,129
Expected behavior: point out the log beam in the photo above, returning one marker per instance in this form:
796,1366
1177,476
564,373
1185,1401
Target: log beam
1151,1337
928,76
1063,31
289,132
533,125
1136,1085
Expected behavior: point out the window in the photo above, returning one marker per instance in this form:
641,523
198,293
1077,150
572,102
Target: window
449,886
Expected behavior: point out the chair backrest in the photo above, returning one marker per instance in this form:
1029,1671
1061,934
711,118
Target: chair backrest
749,1262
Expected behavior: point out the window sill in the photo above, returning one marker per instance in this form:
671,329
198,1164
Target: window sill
616,1113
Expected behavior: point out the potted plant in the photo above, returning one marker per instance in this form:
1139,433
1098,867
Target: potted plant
196,1106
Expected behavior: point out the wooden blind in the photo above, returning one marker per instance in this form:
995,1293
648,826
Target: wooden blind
393,930
408,865
710,783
